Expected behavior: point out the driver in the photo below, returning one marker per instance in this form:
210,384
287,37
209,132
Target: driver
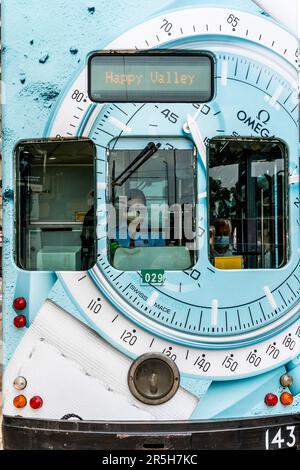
135,232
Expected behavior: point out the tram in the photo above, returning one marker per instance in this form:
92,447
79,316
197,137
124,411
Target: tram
151,290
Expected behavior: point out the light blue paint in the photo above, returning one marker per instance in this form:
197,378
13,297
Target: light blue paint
196,386
34,287
225,400
60,297
294,370
39,65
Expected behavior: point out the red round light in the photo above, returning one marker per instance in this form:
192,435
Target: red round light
36,402
271,399
20,321
20,303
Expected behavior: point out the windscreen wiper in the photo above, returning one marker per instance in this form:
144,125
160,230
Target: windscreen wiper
142,157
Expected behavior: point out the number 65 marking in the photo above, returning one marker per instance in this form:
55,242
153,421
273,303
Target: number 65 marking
278,440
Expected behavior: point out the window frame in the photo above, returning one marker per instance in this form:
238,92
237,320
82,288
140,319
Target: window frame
286,213
16,210
111,147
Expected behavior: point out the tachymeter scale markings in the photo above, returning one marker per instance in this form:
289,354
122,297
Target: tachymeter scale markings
210,361
247,315
276,91
192,25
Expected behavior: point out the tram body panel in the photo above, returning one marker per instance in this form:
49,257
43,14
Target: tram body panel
227,322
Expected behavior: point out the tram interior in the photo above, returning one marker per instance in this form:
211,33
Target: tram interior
56,223
151,206
248,204
152,194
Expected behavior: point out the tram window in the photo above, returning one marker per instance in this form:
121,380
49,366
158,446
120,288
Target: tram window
152,208
55,225
248,203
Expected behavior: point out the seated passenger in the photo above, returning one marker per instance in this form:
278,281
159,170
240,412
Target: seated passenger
221,240
135,231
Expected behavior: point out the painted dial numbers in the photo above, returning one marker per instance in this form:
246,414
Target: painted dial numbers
221,361
232,330
185,300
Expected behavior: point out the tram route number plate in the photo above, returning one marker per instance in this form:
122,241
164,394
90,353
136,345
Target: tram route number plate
285,437
153,276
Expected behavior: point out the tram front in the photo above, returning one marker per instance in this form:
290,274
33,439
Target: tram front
153,268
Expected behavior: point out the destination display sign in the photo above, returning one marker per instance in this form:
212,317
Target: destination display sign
151,78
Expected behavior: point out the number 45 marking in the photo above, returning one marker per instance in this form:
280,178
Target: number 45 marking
278,439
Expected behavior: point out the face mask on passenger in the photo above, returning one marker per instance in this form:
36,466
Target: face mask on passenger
223,241
132,215
136,209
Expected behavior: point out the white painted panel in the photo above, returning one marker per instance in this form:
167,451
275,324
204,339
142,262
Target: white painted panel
75,371
283,11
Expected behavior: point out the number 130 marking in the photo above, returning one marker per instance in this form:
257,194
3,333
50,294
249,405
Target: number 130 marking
278,440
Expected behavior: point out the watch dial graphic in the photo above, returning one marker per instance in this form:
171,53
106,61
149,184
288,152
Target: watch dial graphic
201,315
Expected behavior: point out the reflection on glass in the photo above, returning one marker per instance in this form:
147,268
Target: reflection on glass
55,205
248,204
152,208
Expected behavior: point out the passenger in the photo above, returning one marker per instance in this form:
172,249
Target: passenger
221,239
88,234
267,250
